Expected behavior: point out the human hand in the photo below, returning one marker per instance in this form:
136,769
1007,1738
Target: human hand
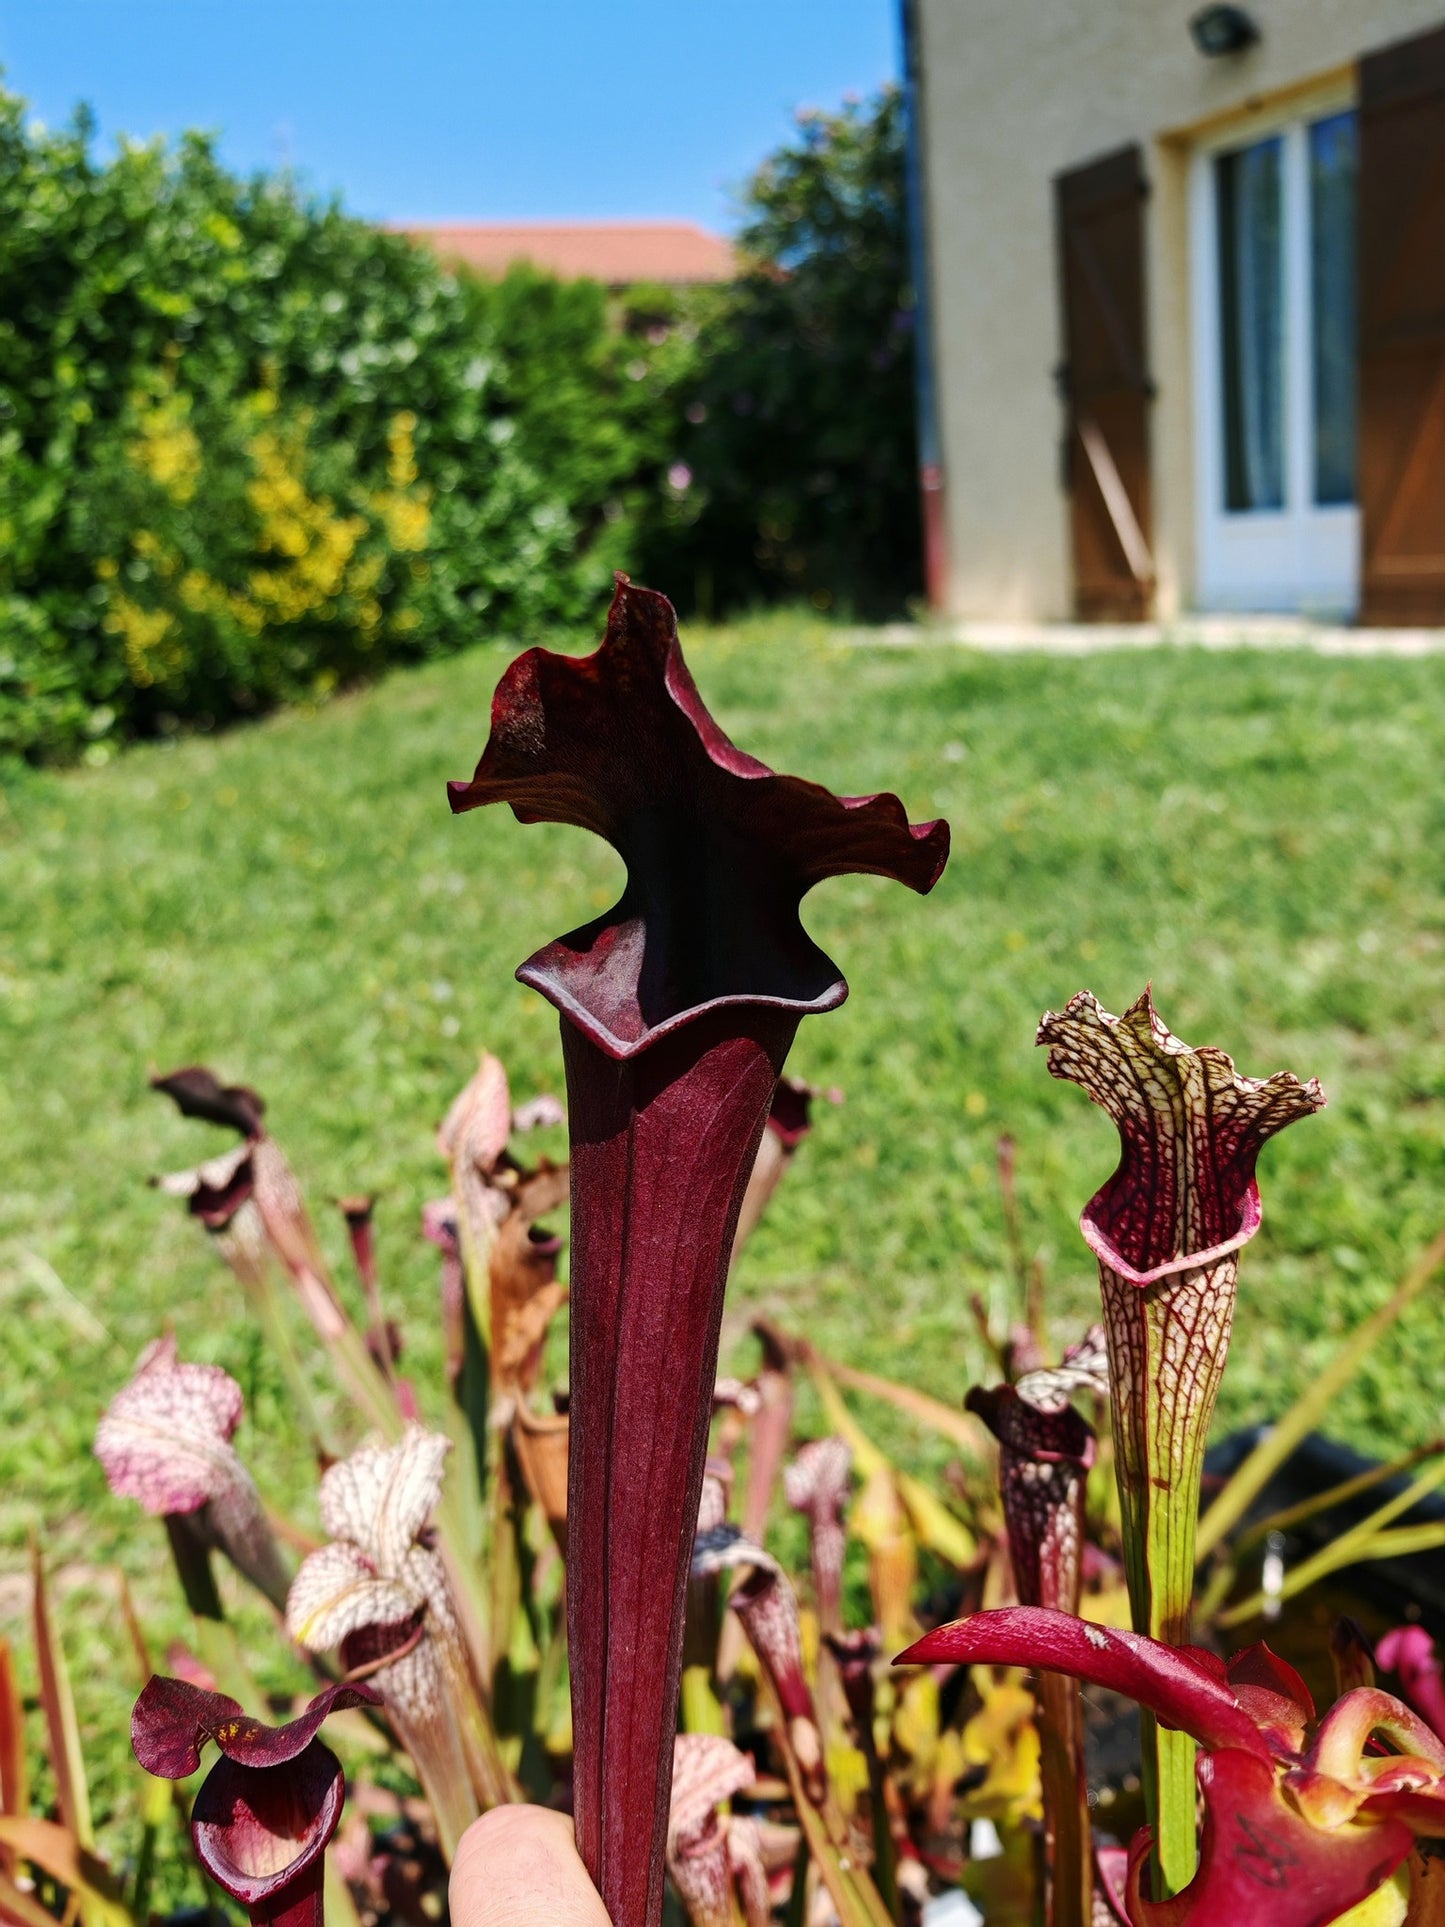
519,1867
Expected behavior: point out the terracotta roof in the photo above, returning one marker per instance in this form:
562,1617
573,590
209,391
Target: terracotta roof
614,252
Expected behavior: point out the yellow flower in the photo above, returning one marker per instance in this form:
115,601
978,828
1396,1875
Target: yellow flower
144,634
167,448
404,509
315,543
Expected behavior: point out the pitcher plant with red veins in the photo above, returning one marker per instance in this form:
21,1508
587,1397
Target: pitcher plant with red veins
377,1594
1046,1449
165,1440
678,1007
1167,1230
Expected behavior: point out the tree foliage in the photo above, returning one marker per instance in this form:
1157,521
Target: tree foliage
797,445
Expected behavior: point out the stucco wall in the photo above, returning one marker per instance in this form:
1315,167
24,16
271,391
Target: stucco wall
1014,92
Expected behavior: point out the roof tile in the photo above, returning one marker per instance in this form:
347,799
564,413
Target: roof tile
614,252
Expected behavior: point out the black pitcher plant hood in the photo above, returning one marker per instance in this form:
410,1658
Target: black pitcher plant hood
198,1092
719,849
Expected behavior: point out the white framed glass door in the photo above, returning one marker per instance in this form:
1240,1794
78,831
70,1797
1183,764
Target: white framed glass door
1272,222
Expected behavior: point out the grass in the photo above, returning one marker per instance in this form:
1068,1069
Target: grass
1262,835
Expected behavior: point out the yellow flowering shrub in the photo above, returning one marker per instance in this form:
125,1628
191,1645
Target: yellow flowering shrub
299,555
166,446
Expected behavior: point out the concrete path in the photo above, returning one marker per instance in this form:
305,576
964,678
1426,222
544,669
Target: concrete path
1199,632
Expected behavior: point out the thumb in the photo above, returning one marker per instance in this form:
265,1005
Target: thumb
519,1867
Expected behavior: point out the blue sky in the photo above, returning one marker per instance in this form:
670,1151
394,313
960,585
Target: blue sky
481,109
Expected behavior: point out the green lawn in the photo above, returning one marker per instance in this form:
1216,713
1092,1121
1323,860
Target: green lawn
1262,835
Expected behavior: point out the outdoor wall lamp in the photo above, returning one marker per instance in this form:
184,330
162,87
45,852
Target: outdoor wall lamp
1222,30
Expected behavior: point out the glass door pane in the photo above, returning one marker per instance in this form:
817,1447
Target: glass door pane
1332,162
1248,199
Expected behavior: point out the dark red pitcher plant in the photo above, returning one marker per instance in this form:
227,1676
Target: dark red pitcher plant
678,1008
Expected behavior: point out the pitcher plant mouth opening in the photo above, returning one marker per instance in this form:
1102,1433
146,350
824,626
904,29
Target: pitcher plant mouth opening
266,1810
254,1835
1184,1194
719,849
377,1593
166,1440
678,1008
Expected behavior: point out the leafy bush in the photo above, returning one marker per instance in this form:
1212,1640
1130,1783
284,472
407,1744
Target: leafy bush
251,448
797,454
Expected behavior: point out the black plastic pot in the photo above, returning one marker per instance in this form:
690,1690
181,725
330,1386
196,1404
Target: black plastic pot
1406,1588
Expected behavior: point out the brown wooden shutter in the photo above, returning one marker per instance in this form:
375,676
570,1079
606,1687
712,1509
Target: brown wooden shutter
1105,382
1401,254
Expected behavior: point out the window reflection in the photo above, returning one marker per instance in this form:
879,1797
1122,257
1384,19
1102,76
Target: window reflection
1332,160
1251,323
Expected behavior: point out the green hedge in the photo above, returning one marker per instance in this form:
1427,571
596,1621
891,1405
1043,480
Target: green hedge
251,448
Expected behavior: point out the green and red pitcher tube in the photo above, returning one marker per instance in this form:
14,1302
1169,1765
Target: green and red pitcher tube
1167,1230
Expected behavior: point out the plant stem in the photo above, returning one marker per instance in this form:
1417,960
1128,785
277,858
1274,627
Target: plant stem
662,1147
701,1711
266,1303
155,1806
797,1912
301,1903
337,1895
436,1752
192,1557
1066,1804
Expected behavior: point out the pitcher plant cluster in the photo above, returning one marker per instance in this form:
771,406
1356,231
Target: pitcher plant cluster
574,1594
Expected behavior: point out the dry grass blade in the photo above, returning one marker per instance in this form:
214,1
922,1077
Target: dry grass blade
56,1851
932,1522
14,1781
139,1645
961,1427
72,1795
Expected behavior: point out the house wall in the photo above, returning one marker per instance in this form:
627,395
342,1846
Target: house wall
1014,92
